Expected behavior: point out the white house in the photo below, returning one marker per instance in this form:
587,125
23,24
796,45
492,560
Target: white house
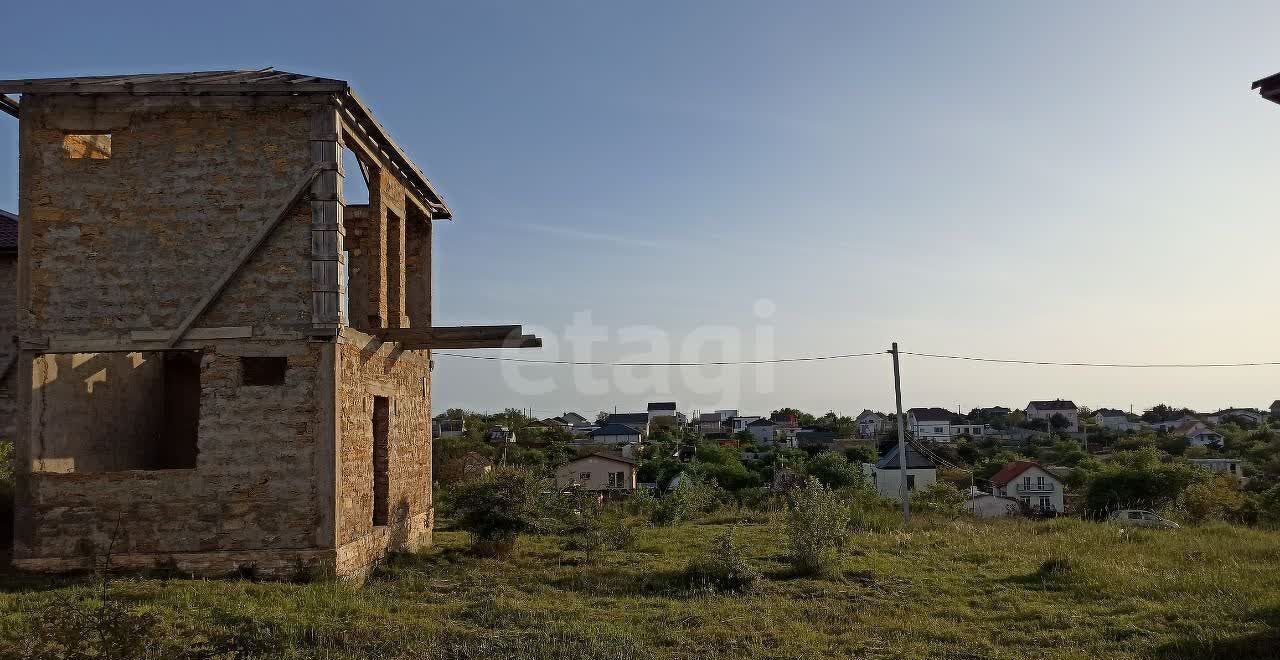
615,434
740,423
1034,486
442,427
930,424
1198,434
1047,409
886,474
1229,466
599,472
1251,415
871,424
764,430
1113,419
663,409
986,505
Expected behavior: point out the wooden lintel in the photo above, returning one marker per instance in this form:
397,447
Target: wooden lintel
437,333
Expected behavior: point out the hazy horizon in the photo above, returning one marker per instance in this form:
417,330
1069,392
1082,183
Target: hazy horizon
1084,182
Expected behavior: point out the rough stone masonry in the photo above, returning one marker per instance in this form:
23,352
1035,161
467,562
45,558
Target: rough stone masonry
204,379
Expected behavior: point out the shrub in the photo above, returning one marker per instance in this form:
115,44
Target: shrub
834,470
1215,498
724,568
817,527
1055,567
691,497
938,496
641,503
496,509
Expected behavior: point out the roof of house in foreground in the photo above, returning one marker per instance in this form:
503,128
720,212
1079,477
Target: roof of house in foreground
259,82
1011,471
916,460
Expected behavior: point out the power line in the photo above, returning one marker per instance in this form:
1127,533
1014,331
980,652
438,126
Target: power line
1118,365
663,364
814,358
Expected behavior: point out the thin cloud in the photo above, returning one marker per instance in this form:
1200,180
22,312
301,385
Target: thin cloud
600,237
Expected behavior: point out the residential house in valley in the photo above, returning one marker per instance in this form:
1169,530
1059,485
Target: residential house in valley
1229,466
664,413
1249,416
1197,434
637,421
599,472
990,505
1046,410
1114,419
886,474
1033,486
764,430
445,427
871,424
616,434
933,424
710,423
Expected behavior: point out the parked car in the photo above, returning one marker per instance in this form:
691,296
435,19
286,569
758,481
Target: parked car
1141,518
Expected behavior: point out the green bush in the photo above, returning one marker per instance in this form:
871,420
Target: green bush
938,497
496,509
692,497
724,568
817,528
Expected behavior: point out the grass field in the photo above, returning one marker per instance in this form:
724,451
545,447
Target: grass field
943,589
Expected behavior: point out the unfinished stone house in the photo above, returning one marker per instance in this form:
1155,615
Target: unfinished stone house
222,366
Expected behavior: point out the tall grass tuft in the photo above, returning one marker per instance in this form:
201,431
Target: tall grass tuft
724,568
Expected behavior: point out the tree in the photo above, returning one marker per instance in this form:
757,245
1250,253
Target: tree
1068,453
1213,498
1136,479
833,470
859,454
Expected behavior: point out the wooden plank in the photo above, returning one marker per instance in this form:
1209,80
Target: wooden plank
8,105
265,230
447,332
230,332
524,341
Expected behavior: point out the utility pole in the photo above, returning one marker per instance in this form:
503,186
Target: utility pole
902,438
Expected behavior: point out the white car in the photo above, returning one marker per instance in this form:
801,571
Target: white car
1141,518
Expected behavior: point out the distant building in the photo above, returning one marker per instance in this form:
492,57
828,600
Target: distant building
1275,409
813,438
499,435
599,472
987,505
710,423
886,474
443,427
1229,466
871,424
665,412
574,419
1113,419
1251,416
638,421
932,424
1198,434
740,423
616,434
1047,409
1031,484
763,430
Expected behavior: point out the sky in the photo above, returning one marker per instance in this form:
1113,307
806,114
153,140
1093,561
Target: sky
739,180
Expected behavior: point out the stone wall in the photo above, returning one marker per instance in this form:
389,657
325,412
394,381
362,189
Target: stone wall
256,485
368,368
132,242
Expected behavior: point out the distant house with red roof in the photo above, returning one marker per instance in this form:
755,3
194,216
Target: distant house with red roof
1031,484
